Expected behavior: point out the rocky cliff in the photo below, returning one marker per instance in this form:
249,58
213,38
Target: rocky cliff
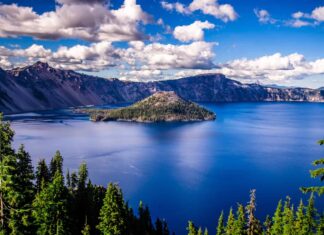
41,87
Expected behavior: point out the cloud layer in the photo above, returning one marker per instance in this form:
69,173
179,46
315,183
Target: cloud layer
224,12
87,20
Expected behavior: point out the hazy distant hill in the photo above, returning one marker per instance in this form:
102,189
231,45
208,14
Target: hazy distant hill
41,87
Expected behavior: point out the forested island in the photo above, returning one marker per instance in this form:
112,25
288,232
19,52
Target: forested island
45,202
159,107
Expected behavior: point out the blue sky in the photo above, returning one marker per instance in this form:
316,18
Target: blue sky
267,41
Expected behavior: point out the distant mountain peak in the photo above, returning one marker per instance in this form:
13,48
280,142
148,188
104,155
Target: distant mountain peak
40,65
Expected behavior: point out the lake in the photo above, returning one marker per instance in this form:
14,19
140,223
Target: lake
189,170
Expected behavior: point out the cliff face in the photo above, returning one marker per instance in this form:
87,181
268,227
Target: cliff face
40,87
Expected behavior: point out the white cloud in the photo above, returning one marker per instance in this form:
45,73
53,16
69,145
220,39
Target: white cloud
301,19
145,59
264,16
179,7
192,32
318,14
274,67
225,12
87,20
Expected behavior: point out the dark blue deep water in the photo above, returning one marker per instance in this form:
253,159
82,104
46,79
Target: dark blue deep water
189,170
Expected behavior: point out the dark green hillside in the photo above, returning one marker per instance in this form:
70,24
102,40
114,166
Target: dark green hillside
160,107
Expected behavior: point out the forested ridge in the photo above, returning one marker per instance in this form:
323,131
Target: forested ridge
43,201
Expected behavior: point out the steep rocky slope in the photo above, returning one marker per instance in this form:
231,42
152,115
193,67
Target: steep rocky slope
40,87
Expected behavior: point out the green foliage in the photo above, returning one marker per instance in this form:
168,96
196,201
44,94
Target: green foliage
239,224
277,226
156,108
220,226
192,230
253,224
50,208
317,173
288,218
230,223
42,175
113,212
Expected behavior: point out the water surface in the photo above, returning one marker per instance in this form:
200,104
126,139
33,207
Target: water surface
189,170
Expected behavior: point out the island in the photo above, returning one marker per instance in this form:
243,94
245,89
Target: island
164,106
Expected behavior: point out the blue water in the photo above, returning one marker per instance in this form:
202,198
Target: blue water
189,170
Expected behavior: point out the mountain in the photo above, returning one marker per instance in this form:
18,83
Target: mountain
41,87
164,106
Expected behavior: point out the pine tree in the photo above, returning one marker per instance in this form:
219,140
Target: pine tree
50,208
86,229
200,232
42,175
318,173
288,218
230,223
56,164
144,220
8,162
310,216
267,224
192,230
239,224
277,226
206,231
320,226
299,224
20,213
113,213
220,226
253,225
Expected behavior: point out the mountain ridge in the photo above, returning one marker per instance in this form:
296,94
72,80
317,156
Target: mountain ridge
41,87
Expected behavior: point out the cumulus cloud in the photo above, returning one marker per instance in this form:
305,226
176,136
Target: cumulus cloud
142,59
264,16
298,19
274,67
224,12
177,6
75,19
192,32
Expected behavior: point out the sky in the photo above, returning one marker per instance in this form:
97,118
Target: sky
264,41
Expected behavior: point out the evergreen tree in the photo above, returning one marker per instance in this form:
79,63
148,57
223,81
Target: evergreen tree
230,223
239,224
56,164
320,227
20,213
277,225
8,194
86,229
200,232
299,224
50,208
267,225
318,173
310,216
192,230
253,225
113,213
144,220
220,226
206,231
42,175
288,218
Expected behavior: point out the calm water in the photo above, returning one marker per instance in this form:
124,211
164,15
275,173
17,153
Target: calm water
189,170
